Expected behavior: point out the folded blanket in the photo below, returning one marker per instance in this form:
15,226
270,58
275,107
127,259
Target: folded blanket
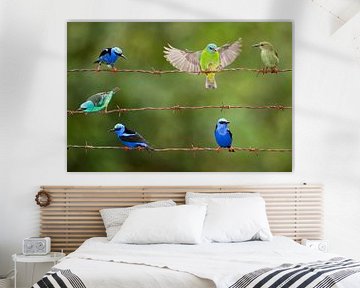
59,278
320,274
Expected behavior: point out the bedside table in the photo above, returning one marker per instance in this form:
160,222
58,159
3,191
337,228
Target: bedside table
320,245
53,257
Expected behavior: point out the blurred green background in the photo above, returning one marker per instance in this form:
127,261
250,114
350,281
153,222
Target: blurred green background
143,43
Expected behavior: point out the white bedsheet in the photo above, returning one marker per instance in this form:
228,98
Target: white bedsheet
102,264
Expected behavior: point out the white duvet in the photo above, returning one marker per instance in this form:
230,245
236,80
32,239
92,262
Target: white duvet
100,263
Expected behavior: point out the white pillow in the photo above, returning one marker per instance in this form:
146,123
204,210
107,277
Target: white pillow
236,220
180,224
113,218
203,198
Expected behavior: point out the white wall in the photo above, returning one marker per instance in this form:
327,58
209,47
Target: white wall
33,101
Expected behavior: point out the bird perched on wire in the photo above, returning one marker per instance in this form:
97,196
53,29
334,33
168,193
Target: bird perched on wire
269,57
98,102
130,139
211,58
109,56
223,135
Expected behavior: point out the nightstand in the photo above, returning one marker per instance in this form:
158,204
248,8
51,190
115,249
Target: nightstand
53,257
320,245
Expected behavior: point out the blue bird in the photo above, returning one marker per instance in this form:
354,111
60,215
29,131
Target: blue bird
130,139
109,57
223,135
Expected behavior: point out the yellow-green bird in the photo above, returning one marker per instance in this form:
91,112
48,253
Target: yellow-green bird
211,58
269,56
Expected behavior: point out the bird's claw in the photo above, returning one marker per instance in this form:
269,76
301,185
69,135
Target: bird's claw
274,70
114,69
218,149
231,149
267,70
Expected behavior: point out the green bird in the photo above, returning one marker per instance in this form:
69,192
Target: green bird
269,56
98,102
211,58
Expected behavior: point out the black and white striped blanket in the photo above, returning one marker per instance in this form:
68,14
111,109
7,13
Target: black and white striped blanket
320,274
59,278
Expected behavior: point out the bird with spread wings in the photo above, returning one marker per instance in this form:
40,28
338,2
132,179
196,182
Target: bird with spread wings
209,60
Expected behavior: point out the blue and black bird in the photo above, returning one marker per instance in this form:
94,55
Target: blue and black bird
223,135
109,56
129,138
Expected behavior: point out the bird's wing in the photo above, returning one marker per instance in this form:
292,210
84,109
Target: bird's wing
277,56
183,60
132,136
98,99
105,51
229,52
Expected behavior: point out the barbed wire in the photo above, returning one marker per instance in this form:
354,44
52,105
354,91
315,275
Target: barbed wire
179,108
160,72
186,149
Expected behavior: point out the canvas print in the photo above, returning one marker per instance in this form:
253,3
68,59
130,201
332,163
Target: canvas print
179,96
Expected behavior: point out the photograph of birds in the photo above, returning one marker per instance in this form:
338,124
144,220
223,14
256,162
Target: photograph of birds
130,139
211,58
109,56
269,56
208,72
98,102
223,135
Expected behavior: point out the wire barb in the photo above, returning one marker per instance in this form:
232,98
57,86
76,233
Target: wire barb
160,72
183,149
179,108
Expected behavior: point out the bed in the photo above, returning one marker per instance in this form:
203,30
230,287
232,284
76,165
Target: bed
99,263
293,210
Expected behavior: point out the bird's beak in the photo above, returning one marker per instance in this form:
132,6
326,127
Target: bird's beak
256,45
115,90
111,130
123,56
217,49
227,122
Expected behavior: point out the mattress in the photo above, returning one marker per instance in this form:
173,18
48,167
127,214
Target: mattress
99,263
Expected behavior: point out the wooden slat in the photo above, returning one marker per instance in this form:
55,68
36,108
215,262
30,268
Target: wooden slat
73,216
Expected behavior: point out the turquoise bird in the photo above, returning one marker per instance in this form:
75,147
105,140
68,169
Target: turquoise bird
269,57
98,102
211,58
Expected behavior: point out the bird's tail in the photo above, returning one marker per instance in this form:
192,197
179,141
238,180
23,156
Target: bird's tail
97,61
210,82
149,148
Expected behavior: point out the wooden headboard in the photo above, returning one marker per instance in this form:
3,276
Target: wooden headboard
73,215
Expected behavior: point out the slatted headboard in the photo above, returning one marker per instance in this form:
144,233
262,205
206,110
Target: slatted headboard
73,215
